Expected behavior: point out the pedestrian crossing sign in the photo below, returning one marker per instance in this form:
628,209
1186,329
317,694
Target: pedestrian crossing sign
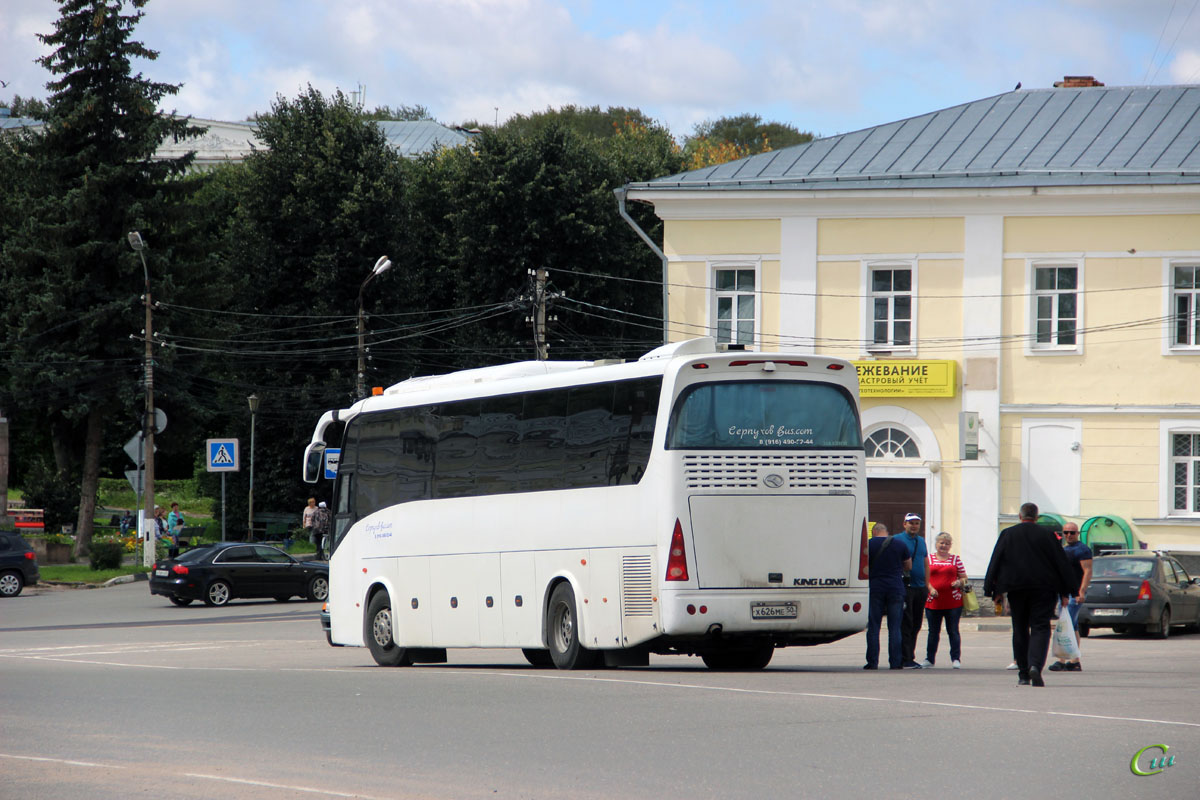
223,455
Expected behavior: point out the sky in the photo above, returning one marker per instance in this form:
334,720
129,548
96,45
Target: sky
824,67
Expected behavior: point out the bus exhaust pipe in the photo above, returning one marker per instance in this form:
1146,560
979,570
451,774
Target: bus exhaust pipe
715,629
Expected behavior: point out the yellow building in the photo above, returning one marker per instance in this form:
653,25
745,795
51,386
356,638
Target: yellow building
1017,280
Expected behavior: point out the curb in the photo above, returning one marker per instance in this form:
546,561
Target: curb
137,576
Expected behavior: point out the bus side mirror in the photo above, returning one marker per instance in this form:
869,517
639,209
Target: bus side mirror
314,462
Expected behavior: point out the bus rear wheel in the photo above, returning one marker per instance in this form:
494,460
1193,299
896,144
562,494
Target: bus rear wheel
562,631
756,657
380,634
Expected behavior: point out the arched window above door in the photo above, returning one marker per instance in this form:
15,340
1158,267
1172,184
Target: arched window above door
891,443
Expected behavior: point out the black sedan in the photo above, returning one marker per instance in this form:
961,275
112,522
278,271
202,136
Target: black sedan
18,564
217,573
1140,590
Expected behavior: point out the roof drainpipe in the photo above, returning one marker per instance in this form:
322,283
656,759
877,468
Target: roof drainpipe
620,193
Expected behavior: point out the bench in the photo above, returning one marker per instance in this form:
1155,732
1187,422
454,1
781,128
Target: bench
274,525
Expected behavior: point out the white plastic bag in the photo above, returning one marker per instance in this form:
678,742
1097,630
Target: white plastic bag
1065,647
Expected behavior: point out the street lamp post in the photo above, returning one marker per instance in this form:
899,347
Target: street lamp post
253,401
148,531
381,266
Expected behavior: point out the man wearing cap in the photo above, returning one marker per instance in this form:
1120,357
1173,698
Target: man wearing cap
1028,564
917,592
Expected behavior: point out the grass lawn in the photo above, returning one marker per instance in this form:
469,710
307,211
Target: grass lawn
82,573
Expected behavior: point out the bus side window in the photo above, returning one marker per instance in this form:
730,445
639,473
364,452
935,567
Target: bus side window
589,428
457,451
499,445
543,436
635,409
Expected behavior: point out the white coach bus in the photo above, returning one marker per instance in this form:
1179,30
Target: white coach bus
693,502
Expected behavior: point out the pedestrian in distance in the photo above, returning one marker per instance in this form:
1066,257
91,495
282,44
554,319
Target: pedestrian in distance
306,518
1028,564
160,525
320,529
946,579
126,522
1079,556
174,529
915,592
887,559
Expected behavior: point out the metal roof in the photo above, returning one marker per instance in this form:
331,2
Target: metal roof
1034,137
411,139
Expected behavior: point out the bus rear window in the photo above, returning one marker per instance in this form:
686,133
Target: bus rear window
755,415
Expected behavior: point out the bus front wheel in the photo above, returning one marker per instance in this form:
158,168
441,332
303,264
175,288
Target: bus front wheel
380,634
562,631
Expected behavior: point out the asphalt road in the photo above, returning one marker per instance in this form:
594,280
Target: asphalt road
110,693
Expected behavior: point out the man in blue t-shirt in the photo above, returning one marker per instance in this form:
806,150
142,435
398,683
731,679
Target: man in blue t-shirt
888,558
917,592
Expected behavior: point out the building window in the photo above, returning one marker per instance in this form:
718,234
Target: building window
1185,466
735,306
891,308
1185,292
891,443
1056,306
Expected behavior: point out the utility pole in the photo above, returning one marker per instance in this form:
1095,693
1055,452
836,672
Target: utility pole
3,465
539,299
148,527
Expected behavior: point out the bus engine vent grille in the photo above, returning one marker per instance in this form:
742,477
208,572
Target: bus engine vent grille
836,472
637,586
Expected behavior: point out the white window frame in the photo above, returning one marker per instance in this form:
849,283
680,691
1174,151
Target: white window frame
1167,429
1032,346
1169,266
870,348
892,426
753,265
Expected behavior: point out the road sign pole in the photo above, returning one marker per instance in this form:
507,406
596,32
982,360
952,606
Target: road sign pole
222,506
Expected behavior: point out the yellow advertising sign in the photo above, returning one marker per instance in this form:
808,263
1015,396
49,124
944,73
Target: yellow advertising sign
907,378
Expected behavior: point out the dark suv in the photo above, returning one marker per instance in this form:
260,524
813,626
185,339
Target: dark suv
1140,590
18,564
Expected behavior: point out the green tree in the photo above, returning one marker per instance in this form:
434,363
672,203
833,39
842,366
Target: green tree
730,138
584,120
29,107
309,215
89,177
403,113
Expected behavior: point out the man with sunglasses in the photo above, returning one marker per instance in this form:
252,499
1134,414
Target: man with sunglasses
1079,556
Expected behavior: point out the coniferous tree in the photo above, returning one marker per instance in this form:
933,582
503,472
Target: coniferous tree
71,281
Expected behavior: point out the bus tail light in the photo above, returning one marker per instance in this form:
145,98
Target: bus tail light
1144,592
864,553
677,560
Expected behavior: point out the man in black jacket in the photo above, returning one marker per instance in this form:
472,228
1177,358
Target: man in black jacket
1029,565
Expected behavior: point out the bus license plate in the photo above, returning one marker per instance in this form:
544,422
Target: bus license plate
1107,612
773,610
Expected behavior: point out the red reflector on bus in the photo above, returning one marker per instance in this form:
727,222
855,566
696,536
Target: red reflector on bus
746,363
857,607
700,366
836,366
677,560
691,609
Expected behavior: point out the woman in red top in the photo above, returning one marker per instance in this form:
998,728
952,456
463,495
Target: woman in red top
946,578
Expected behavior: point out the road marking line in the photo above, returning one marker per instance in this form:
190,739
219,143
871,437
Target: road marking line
288,787
784,693
60,761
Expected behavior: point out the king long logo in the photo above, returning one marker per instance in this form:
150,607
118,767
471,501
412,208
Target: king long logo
774,480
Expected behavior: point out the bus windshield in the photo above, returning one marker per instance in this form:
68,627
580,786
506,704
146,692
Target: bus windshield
793,415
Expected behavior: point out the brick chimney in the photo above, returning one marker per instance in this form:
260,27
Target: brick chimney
1076,82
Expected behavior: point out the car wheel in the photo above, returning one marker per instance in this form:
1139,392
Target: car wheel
380,634
11,584
562,631
1164,624
747,658
217,594
538,658
318,589
179,601
1084,630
